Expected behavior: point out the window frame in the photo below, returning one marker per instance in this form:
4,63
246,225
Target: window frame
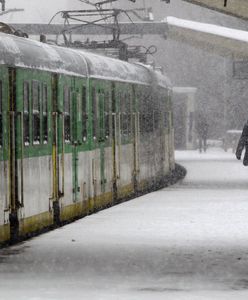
44,112
1,116
67,96
26,114
36,112
84,109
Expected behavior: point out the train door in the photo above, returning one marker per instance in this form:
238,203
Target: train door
124,140
64,146
75,141
4,155
70,141
135,137
101,161
114,136
79,138
80,154
116,140
30,150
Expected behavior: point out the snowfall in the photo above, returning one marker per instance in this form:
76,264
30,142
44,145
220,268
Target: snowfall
187,241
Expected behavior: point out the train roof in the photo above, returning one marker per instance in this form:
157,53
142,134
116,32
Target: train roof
27,53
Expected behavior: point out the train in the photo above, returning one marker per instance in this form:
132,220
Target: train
78,132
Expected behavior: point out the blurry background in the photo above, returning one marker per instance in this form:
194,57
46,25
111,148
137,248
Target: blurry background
220,96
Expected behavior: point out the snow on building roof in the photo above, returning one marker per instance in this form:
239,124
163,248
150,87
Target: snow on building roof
208,36
230,33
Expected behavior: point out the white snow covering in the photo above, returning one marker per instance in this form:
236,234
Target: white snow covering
10,46
221,31
21,52
185,242
112,69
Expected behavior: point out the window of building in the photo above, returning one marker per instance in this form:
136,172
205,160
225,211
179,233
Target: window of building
26,118
67,114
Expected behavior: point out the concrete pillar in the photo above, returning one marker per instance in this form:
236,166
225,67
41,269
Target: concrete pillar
187,127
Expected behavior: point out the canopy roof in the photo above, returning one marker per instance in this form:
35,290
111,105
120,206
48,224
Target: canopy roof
220,39
236,8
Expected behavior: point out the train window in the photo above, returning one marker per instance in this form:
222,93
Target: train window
125,120
67,114
1,115
144,117
124,124
166,120
44,114
94,112
123,114
84,114
107,115
36,112
156,119
149,122
26,133
101,100
141,122
129,114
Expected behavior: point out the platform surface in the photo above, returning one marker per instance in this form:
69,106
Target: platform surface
188,241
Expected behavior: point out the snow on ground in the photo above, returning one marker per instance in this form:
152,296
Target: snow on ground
188,241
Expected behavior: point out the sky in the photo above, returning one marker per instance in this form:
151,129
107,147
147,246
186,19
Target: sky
36,11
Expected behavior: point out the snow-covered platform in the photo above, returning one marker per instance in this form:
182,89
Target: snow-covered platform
188,241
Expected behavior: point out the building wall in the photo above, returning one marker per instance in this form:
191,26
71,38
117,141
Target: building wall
221,97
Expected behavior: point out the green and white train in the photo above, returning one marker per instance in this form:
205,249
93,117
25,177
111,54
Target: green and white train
78,132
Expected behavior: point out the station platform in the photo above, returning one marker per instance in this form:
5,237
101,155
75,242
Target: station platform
187,241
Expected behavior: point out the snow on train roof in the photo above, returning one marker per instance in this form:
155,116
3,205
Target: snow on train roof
163,80
110,68
16,51
27,53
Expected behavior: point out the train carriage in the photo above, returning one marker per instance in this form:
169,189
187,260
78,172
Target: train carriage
78,132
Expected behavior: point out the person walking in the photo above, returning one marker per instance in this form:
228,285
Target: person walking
243,143
202,132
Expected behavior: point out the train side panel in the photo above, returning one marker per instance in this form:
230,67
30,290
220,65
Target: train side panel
79,145
156,135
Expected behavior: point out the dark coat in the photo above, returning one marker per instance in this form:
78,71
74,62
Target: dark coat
243,143
202,129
